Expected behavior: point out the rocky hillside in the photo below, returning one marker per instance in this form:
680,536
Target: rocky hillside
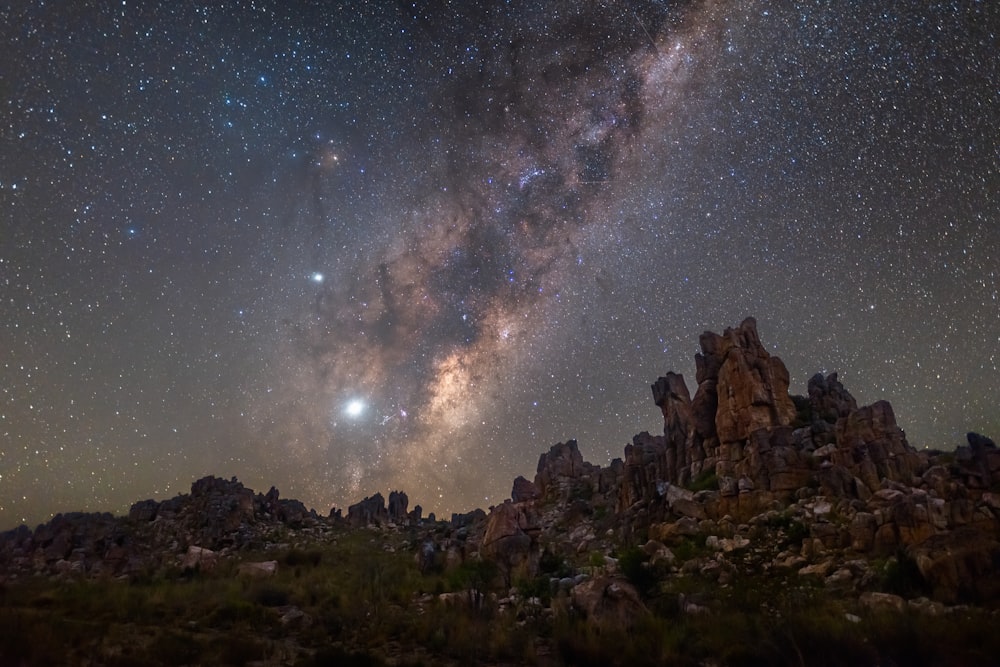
759,481
812,485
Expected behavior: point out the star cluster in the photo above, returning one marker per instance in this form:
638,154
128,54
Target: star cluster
347,247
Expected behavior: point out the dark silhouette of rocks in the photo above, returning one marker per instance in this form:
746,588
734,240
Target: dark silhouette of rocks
397,506
367,512
523,490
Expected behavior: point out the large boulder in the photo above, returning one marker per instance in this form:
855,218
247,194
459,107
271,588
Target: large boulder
523,490
608,601
562,460
509,539
961,565
682,443
828,399
872,446
752,386
258,570
198,558
144,510
646,466
979,462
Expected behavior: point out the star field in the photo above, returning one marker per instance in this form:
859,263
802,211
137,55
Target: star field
347,248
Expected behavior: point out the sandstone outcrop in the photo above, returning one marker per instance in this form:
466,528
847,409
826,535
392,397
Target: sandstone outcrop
193,531
743,459
608,601
745,479
563,460
510,538
523,490
743,428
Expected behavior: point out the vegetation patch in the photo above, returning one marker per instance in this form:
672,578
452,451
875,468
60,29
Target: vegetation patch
706,480
355,602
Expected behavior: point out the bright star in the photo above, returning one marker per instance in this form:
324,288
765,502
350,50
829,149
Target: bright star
354,408
317,277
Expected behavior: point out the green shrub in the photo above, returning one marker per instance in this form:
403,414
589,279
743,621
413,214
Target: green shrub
301,557
537,587
634,564
901,576
552,564
269,595
706,480
690,547
235,612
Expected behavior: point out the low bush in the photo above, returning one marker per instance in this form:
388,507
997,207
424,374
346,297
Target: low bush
705,481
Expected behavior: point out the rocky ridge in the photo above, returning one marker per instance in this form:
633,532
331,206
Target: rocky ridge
745,480
217,518
811,486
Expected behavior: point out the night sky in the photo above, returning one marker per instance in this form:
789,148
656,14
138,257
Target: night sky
343,248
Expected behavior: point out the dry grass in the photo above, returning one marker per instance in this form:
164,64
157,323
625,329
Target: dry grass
367,606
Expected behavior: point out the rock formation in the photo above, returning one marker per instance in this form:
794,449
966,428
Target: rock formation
797,486
743,452
523,490
743,428
509,538
218,517
397,506
369,511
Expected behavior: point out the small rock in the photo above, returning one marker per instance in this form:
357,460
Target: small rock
927,607
818,569
258,570
882,601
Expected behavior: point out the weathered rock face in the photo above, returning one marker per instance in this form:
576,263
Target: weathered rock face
682,438
523,490
873,447
397,506
510,539
372,511
828,398
369,511
218,516
562,460
744,427
732,425
752,387
961,566
608,602
416,515
845,475
225,504
979,463
646,464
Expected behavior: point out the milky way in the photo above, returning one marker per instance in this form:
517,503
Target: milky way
350,249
